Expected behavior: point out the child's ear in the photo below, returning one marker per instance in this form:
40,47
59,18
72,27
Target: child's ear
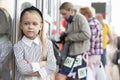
41,26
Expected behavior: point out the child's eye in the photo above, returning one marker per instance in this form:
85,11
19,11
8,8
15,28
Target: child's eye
35,23
26,23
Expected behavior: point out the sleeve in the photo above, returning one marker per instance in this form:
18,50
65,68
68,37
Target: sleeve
51,62
95,35
35,66
99,30
5,49
23,66
84,32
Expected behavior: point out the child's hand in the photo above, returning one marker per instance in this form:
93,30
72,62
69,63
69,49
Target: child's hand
42,64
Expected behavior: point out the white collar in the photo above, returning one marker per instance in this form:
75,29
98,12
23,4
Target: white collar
29,41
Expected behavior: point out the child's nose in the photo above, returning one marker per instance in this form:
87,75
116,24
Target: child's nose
30,26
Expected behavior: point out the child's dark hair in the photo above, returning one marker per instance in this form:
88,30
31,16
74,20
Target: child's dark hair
32,8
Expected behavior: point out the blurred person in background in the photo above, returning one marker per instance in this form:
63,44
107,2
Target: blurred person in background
96,47
78,32
107,37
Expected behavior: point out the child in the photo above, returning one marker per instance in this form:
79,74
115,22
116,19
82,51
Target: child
33,53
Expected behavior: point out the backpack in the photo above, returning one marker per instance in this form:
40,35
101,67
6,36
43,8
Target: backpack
61,55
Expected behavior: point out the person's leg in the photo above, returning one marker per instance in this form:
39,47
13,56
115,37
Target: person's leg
111,72
119,71
60,77
91,68
103,57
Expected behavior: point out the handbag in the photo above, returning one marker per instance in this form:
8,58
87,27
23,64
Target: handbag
65,52
100,75
56,53
116,57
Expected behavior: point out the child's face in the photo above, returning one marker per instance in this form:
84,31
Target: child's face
31,24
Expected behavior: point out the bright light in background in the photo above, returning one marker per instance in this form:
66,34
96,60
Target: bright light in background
116,16
8,5
78,2
83,2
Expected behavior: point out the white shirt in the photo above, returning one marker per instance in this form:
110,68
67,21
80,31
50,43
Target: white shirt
31,51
